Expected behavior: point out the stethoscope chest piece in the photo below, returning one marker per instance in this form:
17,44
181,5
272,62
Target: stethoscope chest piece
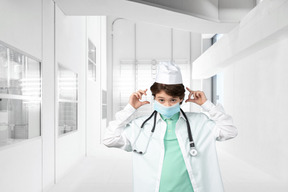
193,152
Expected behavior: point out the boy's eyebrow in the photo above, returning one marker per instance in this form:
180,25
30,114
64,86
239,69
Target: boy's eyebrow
163,97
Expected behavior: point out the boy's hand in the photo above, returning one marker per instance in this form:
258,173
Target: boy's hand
134,99
199,97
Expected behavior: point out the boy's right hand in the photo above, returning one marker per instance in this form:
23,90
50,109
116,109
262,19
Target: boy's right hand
134,99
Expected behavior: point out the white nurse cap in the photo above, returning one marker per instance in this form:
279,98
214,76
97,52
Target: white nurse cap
168,73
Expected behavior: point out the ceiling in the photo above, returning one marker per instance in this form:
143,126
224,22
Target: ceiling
200,16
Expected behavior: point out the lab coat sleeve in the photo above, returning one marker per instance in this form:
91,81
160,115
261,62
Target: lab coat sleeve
115,133
224,127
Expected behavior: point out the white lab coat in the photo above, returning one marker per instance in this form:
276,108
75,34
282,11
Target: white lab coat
203,169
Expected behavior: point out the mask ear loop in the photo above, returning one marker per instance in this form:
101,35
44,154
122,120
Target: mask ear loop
193,150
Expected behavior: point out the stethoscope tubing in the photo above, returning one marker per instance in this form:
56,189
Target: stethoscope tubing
193,150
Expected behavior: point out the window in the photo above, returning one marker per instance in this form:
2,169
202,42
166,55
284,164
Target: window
20,96
67,100
91,61
217,80
137,48
217,88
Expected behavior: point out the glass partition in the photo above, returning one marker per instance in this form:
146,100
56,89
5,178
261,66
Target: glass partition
91,61
67,100
20,96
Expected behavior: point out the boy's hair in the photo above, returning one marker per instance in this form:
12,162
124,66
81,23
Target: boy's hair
176,90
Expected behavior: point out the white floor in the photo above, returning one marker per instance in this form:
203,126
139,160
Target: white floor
111,170
238,176
108,170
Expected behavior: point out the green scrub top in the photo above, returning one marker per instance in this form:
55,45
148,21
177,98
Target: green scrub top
174,176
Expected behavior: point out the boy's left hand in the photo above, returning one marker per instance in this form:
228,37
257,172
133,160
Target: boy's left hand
199,97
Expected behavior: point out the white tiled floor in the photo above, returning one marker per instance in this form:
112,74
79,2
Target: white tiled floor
239,176
111,170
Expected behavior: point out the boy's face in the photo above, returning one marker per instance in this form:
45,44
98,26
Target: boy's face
167,100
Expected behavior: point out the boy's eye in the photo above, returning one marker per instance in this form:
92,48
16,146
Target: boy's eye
173,100
161,100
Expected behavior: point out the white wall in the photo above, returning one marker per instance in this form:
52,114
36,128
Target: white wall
21,166
206,84
253,61
48,96
198,46
21,163
21,25
255,93
264,25
104,72
36,164
94,92
71,52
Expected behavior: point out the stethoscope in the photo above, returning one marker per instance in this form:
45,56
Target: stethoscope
193,150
